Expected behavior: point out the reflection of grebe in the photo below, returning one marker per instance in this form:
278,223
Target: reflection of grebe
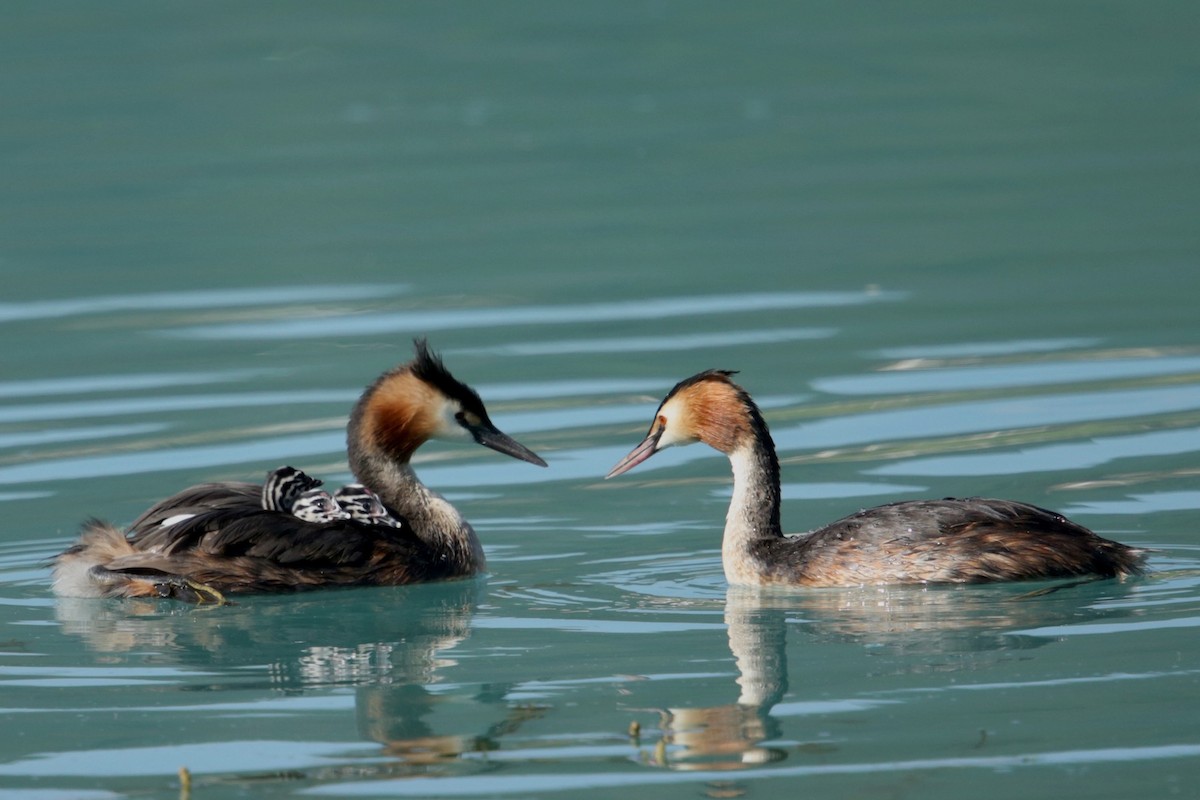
395,648
922,541
905,629
729,736
219,538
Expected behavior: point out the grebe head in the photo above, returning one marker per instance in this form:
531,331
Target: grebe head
283,486
364,505
707,407
317,505
419,401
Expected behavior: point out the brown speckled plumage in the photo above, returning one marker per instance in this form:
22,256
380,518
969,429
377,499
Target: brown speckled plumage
969,540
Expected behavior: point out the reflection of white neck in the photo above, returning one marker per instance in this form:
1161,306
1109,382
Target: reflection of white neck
757,639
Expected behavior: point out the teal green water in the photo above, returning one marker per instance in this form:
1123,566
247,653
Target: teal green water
951,250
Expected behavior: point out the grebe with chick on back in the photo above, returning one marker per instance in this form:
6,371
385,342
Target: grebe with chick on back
232,537
970,540
364,505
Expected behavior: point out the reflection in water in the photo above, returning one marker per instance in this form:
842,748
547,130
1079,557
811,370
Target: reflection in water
305,642
928,629
729,736
912,629
389,644
397,717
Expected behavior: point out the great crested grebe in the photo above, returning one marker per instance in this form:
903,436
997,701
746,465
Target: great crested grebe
317,505
968,540
364,505
218,538
284,486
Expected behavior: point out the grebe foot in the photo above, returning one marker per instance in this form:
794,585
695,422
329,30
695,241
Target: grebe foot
155,583
1045,590
180,588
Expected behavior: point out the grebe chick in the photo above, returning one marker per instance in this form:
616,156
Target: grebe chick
921,541
284,486
317,505
222,538
364,505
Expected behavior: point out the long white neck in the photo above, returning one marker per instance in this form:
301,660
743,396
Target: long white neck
753,510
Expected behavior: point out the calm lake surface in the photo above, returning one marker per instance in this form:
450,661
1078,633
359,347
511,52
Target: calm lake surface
952,251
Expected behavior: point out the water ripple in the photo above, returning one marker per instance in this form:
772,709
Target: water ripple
417,322
1145,503
987,415
149,405
278,449
652,344
35,438
1005,376
525,785
1069,456
249,756
1056,631
280,294
75,386
579,625
982,349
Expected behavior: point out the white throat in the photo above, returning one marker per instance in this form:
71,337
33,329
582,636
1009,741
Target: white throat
747,520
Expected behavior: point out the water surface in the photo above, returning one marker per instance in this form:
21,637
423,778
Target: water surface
952,251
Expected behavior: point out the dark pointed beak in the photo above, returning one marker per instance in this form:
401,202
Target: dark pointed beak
637,455
488,436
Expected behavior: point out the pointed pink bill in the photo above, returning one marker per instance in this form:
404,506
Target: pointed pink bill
637,455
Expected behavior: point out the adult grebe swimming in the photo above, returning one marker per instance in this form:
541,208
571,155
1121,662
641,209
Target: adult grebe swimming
218,538
921,541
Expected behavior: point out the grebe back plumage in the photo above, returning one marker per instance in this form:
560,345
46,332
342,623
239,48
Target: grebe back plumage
217,538
920,541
